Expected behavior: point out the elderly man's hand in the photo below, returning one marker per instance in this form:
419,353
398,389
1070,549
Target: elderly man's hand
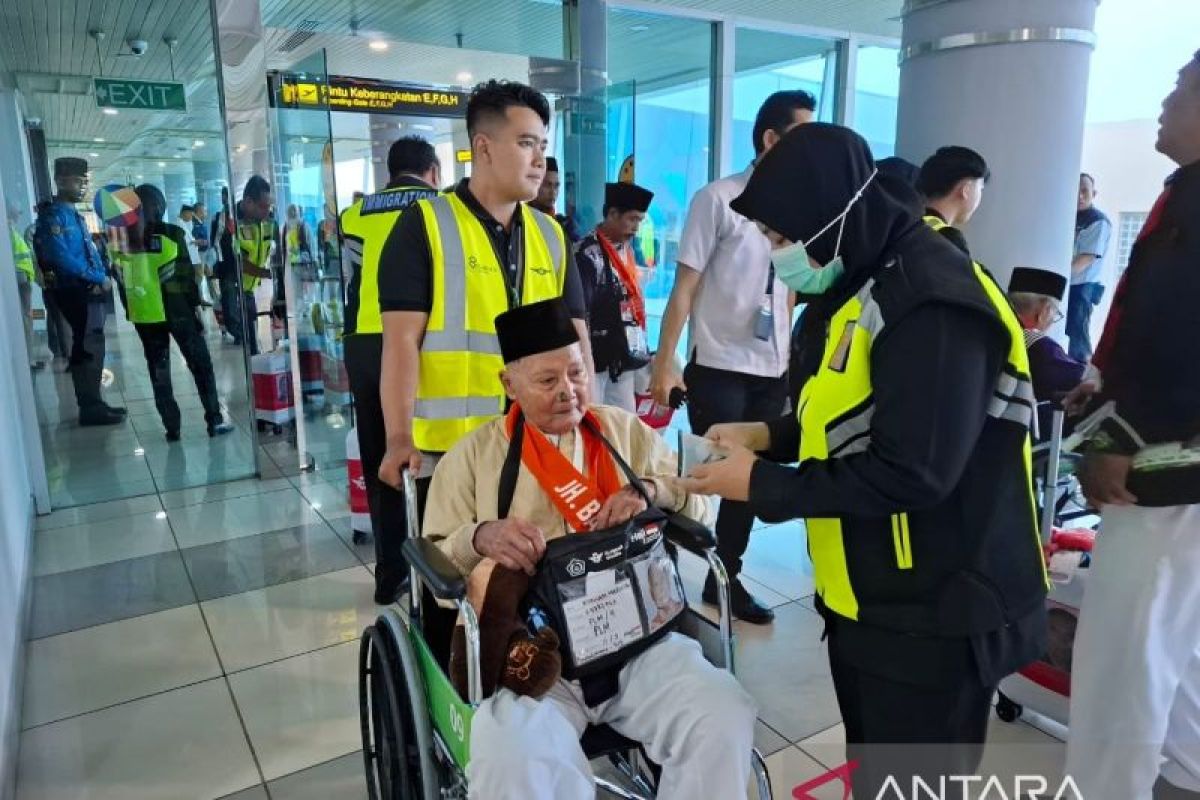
1103,476
728,478
511,542
1076,400
750,435
620,507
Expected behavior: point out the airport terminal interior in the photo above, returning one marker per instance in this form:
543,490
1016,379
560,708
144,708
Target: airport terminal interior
182,616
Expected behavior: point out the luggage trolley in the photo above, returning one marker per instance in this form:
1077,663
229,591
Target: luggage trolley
416,729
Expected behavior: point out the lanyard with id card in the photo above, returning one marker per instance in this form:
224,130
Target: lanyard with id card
764,320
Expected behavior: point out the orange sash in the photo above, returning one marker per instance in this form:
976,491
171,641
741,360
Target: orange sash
627,271
577,497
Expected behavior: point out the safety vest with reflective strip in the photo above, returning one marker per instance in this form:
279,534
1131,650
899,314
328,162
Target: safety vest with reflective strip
22,255
459,387
145,275
365,229
869,580
936,222
255,240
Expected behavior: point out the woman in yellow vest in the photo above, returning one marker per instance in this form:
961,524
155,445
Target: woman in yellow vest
163,303
912,435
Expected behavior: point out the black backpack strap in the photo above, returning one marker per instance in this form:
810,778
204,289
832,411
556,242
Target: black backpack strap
512,466
510,470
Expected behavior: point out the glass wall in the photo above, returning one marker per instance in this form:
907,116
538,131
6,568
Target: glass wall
665,66
767,62
876,97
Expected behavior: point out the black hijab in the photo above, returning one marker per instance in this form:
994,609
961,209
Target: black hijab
806,180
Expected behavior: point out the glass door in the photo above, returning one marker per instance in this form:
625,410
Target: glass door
309,298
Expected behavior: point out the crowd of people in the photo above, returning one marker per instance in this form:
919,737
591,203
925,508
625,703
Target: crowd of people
895,419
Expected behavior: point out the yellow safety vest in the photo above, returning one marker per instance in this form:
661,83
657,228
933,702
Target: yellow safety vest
22,255
365,229
459,387
835,410
936,222
254,241
145,276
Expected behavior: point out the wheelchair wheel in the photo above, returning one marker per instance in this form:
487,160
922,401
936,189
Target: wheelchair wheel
395,768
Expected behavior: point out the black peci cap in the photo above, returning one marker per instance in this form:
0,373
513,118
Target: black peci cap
536,328
1038,281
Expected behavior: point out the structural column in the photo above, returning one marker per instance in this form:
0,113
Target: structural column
585,171
1008,79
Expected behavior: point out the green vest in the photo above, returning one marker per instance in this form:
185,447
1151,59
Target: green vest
22,255
145,274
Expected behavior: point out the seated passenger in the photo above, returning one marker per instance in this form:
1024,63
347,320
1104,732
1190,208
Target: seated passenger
1036,295
693,718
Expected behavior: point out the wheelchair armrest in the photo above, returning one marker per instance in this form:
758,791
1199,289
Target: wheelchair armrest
442,577
692,536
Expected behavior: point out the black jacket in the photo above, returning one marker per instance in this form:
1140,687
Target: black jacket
934,452
1152,369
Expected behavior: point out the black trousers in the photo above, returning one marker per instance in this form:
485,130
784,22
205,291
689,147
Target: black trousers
364,352
187,332
906,730
84,313
715,396
250,321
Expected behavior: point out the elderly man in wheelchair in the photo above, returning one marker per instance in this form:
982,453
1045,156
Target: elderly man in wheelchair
580,502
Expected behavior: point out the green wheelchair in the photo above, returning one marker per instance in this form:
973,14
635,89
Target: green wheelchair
416,729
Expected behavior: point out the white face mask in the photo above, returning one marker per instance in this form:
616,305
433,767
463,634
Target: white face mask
792,262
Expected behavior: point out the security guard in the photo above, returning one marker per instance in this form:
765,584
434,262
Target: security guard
914,473
952,181
75,275
415,172
256,233
163,302
450,266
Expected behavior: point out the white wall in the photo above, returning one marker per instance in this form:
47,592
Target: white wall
20,449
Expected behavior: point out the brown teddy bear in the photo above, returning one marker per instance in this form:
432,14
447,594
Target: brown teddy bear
509,655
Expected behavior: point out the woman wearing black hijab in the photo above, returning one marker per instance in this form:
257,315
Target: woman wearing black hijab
162,302
913,476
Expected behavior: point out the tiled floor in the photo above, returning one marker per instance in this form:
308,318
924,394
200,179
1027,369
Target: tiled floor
195,639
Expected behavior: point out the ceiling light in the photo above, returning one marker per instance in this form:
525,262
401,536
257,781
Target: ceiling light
98,140
140,177
162,164
161,515
378,45
417,126
304,139
112,112
93,155
639,28
198,143
178,156
241,148
463,77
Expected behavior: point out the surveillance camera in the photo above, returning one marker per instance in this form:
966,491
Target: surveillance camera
138,46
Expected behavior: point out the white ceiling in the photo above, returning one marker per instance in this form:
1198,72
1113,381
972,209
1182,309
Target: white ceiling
46,51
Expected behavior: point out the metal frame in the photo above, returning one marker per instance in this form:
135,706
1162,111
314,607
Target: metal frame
959,41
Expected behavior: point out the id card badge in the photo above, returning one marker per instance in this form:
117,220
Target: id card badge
764,321
635,337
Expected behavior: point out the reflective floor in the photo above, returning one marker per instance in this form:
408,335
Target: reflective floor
201,643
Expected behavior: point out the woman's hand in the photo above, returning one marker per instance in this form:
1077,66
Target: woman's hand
728,478
620,507
750,435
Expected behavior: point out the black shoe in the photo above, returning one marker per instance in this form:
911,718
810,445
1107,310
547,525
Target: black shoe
172,436
744,605
99,416
361,537
219,429
118,410
388,591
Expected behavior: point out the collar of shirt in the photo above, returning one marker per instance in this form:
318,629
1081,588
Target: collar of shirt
408,180
507,244
933,212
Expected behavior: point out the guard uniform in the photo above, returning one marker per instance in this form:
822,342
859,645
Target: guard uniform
365,228
254,240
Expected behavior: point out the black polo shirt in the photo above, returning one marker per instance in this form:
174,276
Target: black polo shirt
950,232
406,265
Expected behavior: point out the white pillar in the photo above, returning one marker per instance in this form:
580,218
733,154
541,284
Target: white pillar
1008,79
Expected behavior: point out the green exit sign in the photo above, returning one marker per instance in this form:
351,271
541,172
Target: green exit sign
146,95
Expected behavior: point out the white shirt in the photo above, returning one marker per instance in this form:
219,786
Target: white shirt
734,259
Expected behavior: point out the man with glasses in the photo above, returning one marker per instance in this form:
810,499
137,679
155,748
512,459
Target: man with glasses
76,278
1037,295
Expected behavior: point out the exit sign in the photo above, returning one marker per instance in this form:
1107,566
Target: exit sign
146,95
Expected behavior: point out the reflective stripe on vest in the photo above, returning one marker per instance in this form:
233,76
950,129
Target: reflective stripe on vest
144,275
936,222
365,228
459,387
835,410
254,240
22,255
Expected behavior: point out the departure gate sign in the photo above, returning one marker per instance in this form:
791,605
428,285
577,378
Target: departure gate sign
145,95
366,96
